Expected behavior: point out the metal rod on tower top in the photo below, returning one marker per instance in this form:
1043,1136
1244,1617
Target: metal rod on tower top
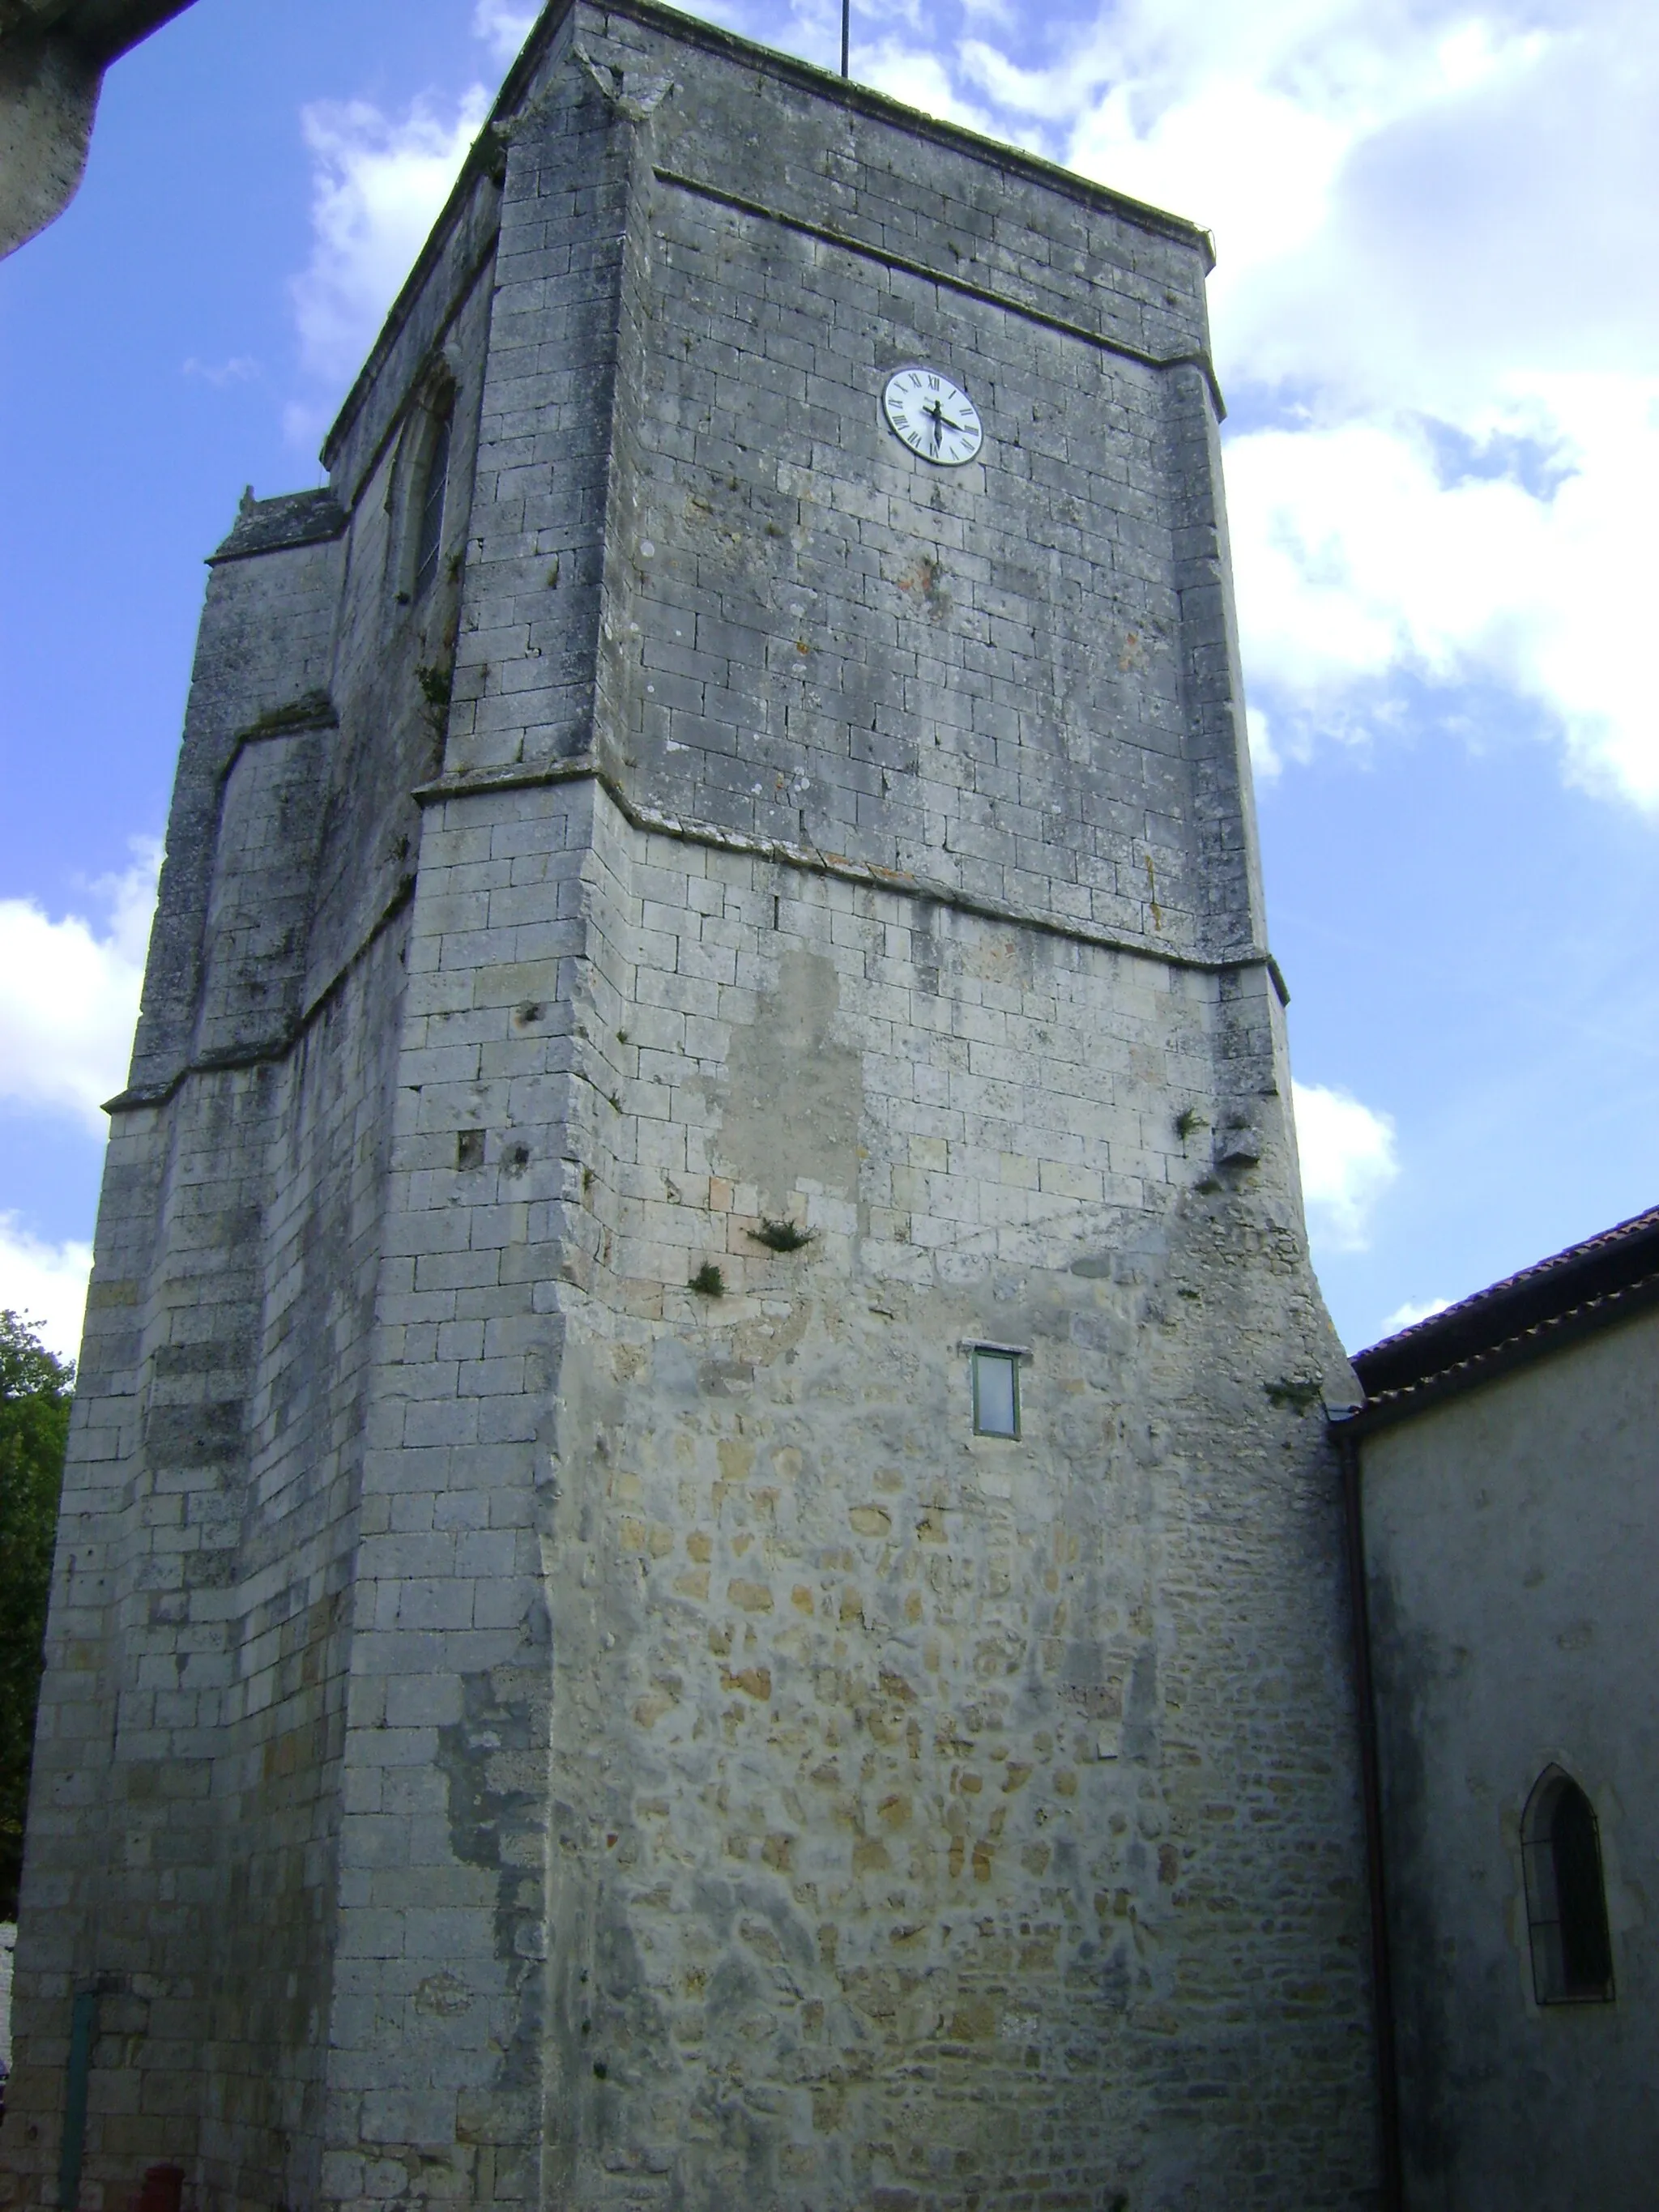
846,32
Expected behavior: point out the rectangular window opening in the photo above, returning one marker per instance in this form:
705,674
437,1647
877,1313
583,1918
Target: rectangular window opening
996,1393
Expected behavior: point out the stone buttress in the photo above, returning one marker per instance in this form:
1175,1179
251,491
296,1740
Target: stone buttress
522,1729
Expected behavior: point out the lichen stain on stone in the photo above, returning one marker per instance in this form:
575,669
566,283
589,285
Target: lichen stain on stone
443,1996
793,1091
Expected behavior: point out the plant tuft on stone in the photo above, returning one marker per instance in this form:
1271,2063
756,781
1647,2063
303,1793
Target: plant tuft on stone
1298,1390
782,1235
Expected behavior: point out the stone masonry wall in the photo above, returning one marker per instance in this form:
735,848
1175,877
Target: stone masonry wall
825,641
185,1801
188,1785
897,1777
912,1779
187,1792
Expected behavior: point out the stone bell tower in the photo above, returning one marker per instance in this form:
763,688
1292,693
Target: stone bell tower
699,1566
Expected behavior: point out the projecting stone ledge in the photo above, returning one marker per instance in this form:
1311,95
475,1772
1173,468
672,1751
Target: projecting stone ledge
272,525
53,54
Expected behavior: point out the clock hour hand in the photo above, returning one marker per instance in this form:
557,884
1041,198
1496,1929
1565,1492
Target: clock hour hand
941,421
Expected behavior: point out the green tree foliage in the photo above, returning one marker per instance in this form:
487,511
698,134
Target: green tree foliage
34,1411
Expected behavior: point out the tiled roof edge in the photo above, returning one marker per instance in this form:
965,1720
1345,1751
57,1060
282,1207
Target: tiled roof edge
1589,1285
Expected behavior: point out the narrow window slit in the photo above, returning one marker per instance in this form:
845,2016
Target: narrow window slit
1566,1894
429,530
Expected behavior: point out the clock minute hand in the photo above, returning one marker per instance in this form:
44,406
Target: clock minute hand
941,422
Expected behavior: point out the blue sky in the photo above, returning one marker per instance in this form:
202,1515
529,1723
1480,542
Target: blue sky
1440,344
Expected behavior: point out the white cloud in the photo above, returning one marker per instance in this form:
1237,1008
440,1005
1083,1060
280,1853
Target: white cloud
1266,759
68,994
45,1285
1481,228
237,370
1348,1162
921,80
502,26
1358,560
1412,1312
377,187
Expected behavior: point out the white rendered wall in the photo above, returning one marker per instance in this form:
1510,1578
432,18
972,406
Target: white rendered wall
1510,1553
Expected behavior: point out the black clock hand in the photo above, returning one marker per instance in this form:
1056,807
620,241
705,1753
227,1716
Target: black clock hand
942,421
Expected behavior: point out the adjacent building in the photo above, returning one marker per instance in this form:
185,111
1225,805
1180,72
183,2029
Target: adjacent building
1507,1459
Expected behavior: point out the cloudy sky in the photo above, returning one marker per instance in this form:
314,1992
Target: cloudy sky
1435,325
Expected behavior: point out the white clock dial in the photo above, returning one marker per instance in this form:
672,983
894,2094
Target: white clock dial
935,417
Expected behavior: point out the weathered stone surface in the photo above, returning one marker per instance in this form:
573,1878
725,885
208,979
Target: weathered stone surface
529,1730
53,54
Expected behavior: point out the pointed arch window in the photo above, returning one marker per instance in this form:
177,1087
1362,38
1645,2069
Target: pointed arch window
429,510
1566,1894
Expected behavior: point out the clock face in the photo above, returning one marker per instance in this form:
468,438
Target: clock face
935,417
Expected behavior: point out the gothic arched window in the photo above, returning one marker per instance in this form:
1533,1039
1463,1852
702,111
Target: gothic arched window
430,486
1566,1896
